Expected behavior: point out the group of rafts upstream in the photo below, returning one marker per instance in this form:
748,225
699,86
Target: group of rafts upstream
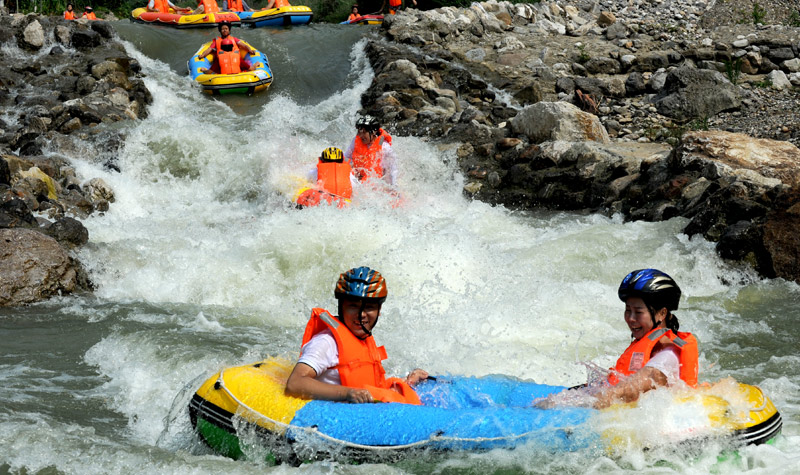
233,81
244,407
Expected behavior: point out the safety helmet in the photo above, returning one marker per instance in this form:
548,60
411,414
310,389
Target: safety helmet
656,288
332,154
88,8
368,123
361,283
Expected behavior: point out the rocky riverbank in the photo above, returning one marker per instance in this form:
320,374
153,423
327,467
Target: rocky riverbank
59,82
649,109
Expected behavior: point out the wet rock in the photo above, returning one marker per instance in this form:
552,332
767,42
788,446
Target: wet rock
33,35
546,121
68,231
33,267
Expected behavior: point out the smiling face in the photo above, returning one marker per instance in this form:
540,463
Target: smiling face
356,320
639,318
365,135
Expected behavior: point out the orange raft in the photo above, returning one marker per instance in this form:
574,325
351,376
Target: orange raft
200,20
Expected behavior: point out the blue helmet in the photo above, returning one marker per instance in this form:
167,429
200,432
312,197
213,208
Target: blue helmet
656,288
361,283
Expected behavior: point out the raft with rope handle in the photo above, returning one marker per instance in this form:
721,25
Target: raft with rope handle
283,16
177,20
243,406
245,82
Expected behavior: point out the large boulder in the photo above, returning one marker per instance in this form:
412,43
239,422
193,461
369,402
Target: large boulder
551,121
33,267
691,93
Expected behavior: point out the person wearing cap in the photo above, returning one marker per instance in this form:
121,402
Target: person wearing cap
339,360
226,43
88,13
659,355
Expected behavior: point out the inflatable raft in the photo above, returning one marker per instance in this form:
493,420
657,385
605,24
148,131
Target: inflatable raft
201,20
284,16
245,406
364,20
245,82
313,196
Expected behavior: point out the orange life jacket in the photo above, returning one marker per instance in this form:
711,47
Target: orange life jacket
210,6
229,61
68,15
395,4
368,159
281,4
334,177
90,16
360,361
235,5
161,5
352,17
638,354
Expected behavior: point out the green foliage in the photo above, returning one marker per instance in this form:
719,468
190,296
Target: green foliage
733,69
758,13
763,84
794,19
583,56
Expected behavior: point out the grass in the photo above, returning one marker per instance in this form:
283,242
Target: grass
733,69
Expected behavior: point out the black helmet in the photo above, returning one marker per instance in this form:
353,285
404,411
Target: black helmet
368,123
656,288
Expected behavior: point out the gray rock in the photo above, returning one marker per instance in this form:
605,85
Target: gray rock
547,121
690,93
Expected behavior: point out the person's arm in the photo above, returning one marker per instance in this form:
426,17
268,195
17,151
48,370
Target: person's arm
243,45
270,4
416,376
302,384
389,164
630,388
348,153
246,7
206,52
199,9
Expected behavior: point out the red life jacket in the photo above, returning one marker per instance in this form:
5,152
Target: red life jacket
229,61
235,5
210,6
368,160
68,15
334,177
360,361
395,4
90,16
638,354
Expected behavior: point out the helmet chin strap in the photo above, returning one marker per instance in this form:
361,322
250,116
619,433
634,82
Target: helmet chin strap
360,311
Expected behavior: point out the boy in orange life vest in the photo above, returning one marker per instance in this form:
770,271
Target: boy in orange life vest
370,153
88,13
69,14
660,355
226,44
339,360
332,174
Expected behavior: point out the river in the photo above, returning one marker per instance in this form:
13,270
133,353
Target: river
202,263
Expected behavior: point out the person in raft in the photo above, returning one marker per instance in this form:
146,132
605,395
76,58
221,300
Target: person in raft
659,355
225,49
163,6
332,174
353,13
88,13
69,14
206,6
235,6
339,360
277,4
370,153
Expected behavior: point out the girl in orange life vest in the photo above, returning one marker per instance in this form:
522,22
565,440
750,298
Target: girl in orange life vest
69,14
660,355
88,13
353,13
206,6
225,43
235,6
370,153
339,360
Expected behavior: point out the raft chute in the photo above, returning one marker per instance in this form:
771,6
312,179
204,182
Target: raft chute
241,404
245,82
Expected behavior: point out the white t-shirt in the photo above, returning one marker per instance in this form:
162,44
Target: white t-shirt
668,362
388,162
322,354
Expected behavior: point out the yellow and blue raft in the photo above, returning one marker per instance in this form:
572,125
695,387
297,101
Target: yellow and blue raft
245,82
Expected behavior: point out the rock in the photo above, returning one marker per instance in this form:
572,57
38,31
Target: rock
694,93
547,121
68,231
606,18
33,267
779,80
33,35
14,213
